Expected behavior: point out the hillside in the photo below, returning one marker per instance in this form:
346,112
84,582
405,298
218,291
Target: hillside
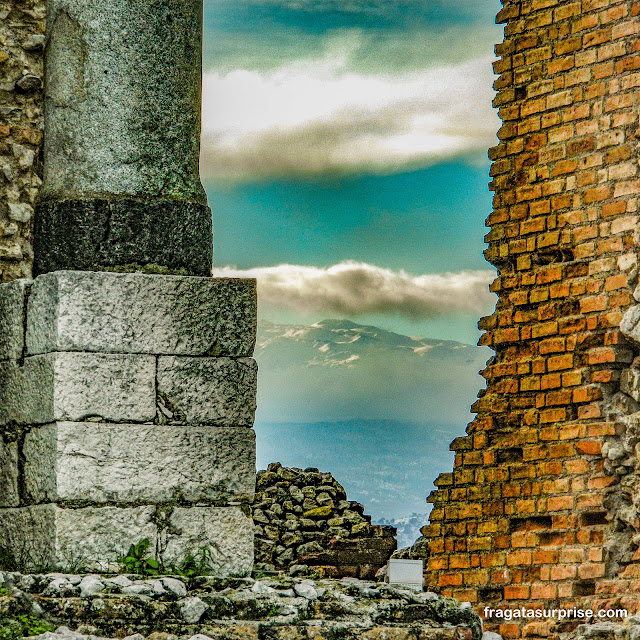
337,370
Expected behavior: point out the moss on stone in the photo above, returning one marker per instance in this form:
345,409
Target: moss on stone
22,626
318,512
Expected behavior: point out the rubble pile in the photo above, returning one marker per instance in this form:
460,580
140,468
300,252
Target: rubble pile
304,522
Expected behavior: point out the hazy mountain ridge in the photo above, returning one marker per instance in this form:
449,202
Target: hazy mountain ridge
340,370
336,338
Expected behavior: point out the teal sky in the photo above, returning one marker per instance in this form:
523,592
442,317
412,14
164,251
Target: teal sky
353,131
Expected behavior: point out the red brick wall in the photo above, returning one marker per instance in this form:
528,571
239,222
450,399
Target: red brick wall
530,514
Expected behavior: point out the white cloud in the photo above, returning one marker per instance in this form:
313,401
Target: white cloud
352,288
324,115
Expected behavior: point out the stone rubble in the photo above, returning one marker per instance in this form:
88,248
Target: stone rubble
279,607
303,519
629,629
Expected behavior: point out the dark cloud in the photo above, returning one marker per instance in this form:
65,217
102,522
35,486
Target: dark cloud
352,288
323,116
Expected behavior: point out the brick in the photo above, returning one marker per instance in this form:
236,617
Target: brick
518,558
516,592
591,570
560,503
563,237
563,572
590,447
450,579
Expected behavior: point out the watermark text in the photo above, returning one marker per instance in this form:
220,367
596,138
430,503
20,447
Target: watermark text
525,613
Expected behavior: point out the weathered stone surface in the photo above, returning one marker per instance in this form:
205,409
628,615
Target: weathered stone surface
220,391
242,609
76,386
630,380
12,307
122,110
126,463
90,585
47,537
99,233
175,586
630,325
192,609
9,496
139,313
225,532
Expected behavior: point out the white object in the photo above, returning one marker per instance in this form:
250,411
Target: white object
408,573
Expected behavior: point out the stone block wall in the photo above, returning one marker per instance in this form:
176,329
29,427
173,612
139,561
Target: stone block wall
22,25
540,507
304,520
126,407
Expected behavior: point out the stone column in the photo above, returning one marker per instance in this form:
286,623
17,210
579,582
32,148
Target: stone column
122,121
126,399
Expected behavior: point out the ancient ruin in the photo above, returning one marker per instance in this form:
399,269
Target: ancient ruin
541,507
127,387
304,523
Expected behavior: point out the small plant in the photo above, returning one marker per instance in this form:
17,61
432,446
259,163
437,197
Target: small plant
22,626
196,565
135,562
34,626
4,592
23,559
193,565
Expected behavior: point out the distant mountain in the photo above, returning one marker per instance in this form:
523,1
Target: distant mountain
340,370
375,408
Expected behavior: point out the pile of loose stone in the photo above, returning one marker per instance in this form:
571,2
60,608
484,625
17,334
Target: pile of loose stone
303,519
278,608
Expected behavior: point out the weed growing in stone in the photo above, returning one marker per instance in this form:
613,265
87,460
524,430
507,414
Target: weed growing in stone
135,562
200,564
193,565
22,626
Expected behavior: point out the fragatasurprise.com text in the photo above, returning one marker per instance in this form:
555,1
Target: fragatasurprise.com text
524,613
